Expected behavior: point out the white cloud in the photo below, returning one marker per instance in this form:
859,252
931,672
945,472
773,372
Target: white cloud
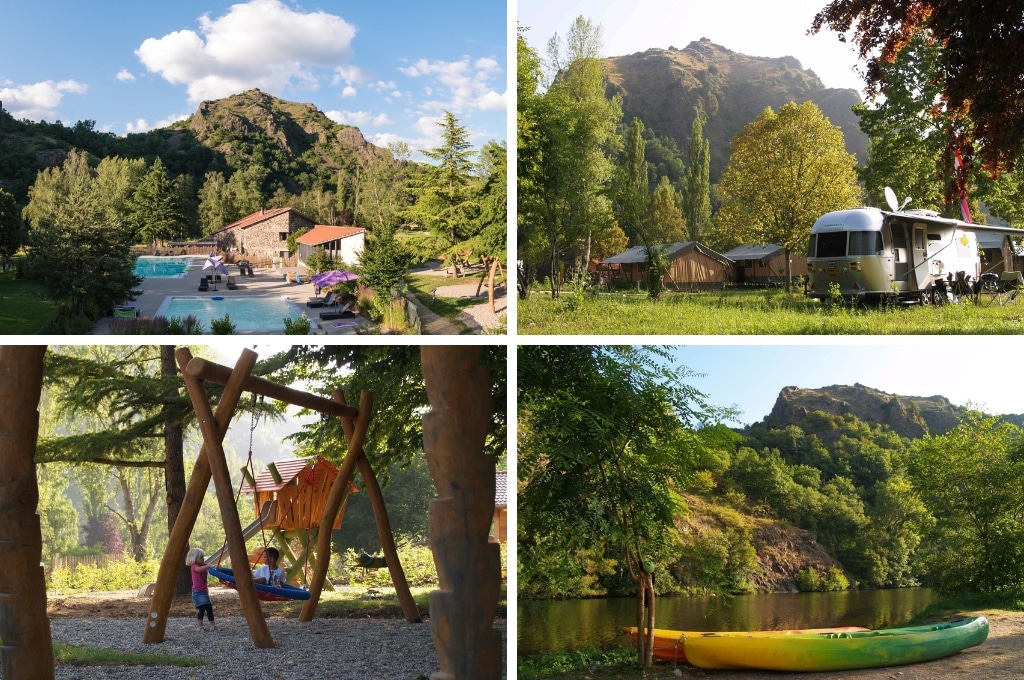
38,101
466,82
142,125
358,118
349,91
350,73
125,76
492,101
261,43
381,85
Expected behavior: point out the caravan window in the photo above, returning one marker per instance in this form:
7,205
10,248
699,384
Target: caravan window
832,244
865,243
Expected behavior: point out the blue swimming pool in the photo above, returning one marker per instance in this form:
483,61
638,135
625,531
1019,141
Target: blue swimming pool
250,314
163,267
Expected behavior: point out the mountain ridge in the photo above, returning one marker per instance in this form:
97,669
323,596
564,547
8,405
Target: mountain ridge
666,87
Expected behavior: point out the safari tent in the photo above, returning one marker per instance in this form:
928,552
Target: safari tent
692,266
763,264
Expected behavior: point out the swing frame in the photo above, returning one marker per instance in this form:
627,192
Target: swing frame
211,462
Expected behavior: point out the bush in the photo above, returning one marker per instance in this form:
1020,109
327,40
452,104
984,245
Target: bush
222,326
811,580
417,562
121,575
300,326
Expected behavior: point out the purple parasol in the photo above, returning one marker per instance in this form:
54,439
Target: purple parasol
333,277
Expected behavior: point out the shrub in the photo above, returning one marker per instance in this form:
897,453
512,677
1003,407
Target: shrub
811,580
417,562
300,326
222,326
121,575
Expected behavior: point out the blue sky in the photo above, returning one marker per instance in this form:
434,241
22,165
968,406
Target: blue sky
981,372
388,68
754,27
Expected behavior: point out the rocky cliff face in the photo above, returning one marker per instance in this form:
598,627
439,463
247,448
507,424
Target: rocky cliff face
907,416
253,117
665,88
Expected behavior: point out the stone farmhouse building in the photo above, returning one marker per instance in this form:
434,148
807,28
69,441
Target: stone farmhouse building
261,236
341,243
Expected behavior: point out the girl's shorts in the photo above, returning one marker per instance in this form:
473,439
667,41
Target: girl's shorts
200,597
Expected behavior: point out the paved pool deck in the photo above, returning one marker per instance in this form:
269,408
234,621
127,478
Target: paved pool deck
265,281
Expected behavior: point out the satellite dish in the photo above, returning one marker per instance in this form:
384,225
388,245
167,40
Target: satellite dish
890,198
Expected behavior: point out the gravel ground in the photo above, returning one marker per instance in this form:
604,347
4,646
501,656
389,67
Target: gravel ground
335,649
478,318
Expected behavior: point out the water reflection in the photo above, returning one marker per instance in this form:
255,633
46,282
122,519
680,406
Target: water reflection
553,626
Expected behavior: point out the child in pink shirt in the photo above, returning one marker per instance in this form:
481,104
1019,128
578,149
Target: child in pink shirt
200,592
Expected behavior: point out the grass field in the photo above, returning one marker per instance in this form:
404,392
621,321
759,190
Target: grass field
755,312
23,311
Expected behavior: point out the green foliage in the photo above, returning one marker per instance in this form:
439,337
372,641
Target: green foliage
630,189
813,580
446,201
156,207
601,442
300,326
383,263
10,229
556,665
786,169
971,479
697,183
222,326
417,563
320,261
664,219
293,240
117,575
58,519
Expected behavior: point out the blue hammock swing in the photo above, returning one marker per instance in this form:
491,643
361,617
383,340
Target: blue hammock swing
264,591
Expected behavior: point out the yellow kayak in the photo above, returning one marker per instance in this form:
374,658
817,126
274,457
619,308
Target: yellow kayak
668,644
836,651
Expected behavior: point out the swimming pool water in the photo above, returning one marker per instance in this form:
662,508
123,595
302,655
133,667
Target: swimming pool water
162,267
249,314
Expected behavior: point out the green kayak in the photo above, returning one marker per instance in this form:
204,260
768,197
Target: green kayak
836,651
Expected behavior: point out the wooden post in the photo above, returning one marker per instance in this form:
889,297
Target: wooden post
212,436
387,541
339,491
468,566
26,648
177,542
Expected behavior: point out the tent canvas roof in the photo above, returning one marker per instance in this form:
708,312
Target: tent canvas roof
763,253
638,254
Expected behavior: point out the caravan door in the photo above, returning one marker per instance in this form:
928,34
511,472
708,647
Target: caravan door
920,257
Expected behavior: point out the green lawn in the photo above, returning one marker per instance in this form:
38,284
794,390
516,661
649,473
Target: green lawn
754,312
421,286
22,307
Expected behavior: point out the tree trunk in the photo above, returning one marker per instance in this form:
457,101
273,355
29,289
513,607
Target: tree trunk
27,648
645,618
174,466
789,274
462,611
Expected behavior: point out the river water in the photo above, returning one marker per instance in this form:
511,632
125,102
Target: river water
561,625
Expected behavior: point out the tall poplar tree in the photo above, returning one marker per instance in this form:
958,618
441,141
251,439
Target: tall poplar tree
697,182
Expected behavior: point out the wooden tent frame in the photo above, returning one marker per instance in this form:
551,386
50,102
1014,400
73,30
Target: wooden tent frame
211,463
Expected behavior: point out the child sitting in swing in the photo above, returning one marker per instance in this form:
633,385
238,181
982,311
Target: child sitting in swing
270,573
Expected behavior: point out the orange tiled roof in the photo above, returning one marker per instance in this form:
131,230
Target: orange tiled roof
323,233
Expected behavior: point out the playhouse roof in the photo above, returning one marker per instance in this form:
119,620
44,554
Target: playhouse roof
290,469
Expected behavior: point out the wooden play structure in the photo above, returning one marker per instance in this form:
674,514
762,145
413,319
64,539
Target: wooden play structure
289,498
211,463
462,609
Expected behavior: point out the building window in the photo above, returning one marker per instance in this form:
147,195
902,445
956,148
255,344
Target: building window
283,235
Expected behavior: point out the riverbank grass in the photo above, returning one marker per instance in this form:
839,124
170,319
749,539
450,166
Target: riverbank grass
762,312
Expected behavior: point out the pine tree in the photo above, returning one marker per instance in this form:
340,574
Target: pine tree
156,207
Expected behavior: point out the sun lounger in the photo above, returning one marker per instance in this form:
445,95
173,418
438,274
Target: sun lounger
327,301
248,268
343,312
231,283
204,284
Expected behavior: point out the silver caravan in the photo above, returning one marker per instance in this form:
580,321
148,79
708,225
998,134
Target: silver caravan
911,255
